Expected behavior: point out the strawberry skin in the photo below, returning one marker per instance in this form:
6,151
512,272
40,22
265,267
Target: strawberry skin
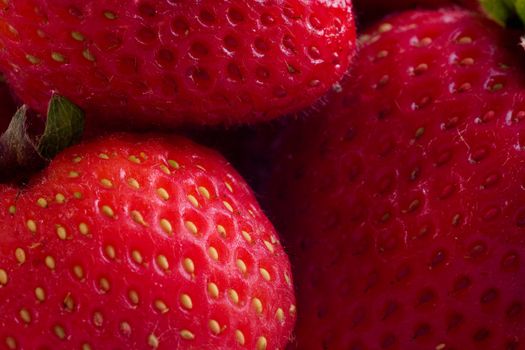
169,62
130,242
403,202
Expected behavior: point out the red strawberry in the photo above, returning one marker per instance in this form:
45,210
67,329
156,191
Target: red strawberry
167,62
404,202
135,243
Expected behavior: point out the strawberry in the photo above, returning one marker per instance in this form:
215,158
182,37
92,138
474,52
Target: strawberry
168,62
134,242
403,202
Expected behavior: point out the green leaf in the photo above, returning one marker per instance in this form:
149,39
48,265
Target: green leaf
498,10
520,9
20,152
64,126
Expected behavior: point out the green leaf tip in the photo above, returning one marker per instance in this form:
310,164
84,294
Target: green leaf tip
20,152
64,126
502,11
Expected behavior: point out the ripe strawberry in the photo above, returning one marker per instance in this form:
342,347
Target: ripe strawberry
404,202
135,243
167,62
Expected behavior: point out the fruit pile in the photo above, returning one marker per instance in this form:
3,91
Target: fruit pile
390,166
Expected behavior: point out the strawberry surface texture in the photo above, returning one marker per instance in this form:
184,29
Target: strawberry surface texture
130,242
7,106
176,61
403,202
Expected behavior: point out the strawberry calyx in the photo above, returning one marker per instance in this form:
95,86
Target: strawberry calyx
23,150
504,11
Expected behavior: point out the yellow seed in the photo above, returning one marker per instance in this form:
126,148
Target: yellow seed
163,194
86,346
193,201
241,265
204,191
465,40
161,306
40,294
11,343
262,343
173,164
41,202
78,271
59,331
138,218
133,297
191,227
257,305
165,169
25,315
110,15
239,336
125,328
162,261
20,255
228,206
83,228
136,256
98,319
50,262
188,265
265,274
166,226
58,57
31,225
60,198
186,301
3,277
134,183
134,159
12,210
213,290
234,296
292,309
247,236
153,341
88,55
103,156
287,279
77,160
214,327
104,284
221,230
269,246
73,174
61,233
108,211
110,252
187,335
279,315
106,183
228,186
77,36
214,254
69,303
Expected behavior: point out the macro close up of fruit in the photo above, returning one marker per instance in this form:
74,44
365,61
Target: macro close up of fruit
170,62
262,175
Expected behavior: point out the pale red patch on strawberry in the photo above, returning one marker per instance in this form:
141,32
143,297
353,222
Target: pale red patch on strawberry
403,202
140,243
